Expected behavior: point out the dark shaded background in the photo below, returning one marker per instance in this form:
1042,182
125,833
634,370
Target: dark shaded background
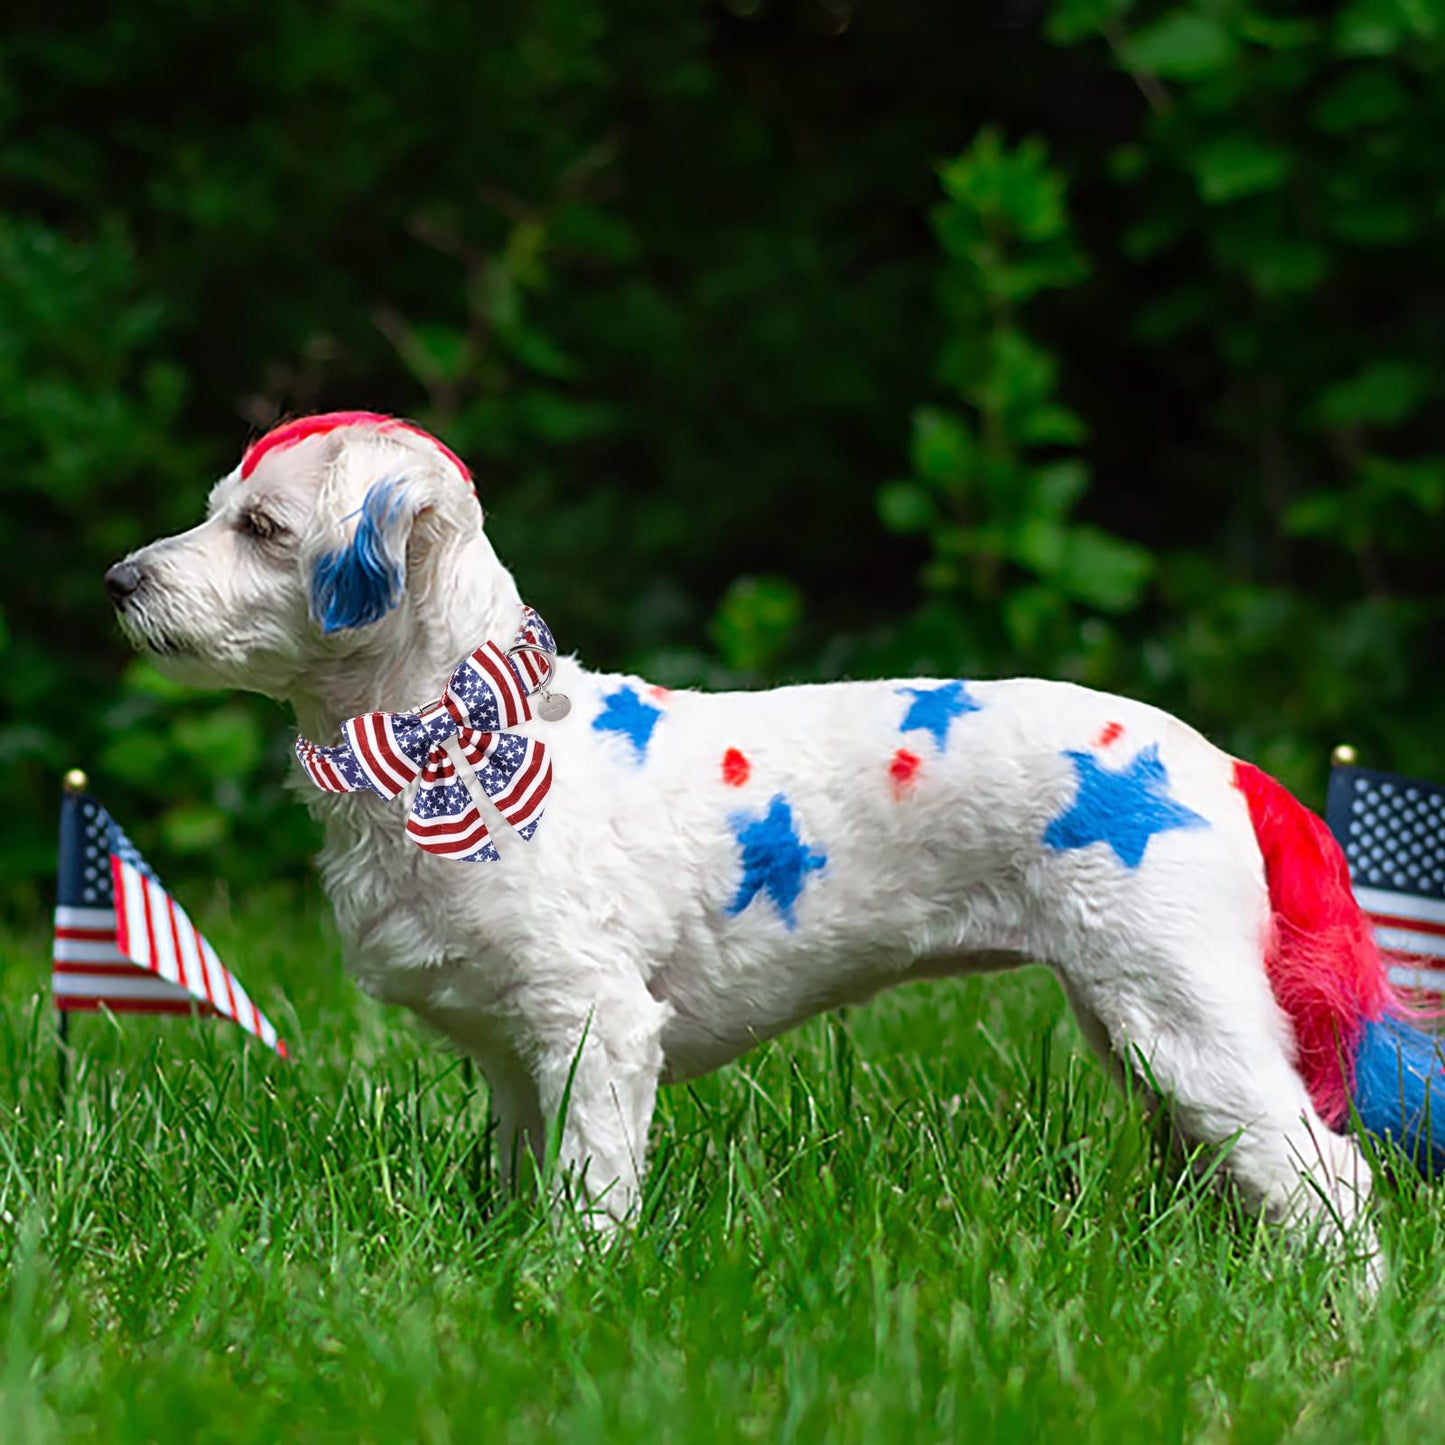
776,348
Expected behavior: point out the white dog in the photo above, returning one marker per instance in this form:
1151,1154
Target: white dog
714,868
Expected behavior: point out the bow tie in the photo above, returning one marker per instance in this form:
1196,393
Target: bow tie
488,693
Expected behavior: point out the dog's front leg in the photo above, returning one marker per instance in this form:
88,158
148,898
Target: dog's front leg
598,1063
516,1112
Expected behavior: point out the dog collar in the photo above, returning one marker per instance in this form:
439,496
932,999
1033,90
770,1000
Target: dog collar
488,694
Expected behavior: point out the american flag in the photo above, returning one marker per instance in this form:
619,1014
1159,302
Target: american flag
123,942
1393,832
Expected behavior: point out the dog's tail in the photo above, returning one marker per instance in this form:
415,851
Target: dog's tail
1327,975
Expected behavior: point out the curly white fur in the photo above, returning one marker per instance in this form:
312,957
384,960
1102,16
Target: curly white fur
620,941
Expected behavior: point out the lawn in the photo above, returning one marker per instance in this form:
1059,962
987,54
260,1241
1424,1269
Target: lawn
933,1219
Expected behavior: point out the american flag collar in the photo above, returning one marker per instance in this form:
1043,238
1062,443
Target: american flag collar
488,694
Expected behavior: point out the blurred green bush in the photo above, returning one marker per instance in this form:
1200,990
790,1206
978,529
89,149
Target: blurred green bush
1150,404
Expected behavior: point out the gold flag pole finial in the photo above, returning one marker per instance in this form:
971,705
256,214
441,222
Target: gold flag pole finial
75,781
1344,756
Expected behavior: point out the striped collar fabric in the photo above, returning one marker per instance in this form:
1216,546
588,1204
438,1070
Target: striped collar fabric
487,695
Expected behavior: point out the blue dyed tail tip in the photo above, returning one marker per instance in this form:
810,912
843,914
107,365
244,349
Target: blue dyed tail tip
1400,1091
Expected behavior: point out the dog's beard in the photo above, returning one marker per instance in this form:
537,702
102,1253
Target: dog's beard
225,659
147,633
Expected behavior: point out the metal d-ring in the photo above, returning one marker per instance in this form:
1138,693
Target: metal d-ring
551,706
541,652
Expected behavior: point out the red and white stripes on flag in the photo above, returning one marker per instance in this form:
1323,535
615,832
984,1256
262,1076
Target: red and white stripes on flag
123,943
1411,934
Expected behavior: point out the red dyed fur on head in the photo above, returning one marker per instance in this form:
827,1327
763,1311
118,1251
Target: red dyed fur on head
291,432
1324,969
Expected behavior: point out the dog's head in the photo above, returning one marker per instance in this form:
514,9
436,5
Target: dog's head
319,551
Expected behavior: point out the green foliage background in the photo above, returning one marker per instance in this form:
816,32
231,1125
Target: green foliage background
1098,339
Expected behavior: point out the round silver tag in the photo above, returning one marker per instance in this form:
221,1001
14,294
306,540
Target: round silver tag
553,706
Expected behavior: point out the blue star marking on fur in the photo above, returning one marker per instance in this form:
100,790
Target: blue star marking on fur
776,861
626,713
1123,808
933,709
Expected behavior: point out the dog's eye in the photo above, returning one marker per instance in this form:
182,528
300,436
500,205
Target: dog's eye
257,524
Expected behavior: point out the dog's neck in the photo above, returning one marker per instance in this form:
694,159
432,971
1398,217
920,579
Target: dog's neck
405,663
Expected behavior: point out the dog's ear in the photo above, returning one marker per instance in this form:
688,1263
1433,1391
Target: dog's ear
360,583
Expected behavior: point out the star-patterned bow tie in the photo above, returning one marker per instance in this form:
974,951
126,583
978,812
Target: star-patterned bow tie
488,693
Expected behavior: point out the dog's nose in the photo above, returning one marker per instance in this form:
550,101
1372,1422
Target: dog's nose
122,580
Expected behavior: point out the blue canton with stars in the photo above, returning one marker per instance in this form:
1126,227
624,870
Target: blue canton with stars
776,861
626,713
88,837
1123,808
933,709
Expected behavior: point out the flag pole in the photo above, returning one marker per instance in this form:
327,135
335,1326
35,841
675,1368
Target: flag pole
73,783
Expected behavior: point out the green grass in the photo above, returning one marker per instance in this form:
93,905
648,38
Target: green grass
932,1221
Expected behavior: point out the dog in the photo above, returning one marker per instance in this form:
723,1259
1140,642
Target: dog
713,869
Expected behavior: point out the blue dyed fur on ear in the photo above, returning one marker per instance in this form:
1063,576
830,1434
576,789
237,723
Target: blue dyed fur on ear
362,583
1400,1091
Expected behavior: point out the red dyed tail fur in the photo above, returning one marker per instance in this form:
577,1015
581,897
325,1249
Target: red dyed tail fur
1323,966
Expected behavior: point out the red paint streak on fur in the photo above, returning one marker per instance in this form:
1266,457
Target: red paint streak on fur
903,770
1324,969
660,693
291,432
1109,733
735,768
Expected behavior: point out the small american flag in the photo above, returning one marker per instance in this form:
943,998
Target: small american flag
123,942
1393,832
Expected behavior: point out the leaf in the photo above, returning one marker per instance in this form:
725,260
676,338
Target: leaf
540,354
1058,486
1279,265
1420,483
434,352
1103,571
1360,213
1173,312
145,679
1370,95
755,622
1232,166
1012,187
1153,234
194,827
227,742
1180,46
1128,162
943,447
1277,33
1381,27
597,232
1040,545
1051,425
552,417
1021,373
1383,393
1071,20
1028,612
137,758
905,507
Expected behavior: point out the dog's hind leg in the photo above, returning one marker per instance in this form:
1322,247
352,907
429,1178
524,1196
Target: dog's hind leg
1205,1034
